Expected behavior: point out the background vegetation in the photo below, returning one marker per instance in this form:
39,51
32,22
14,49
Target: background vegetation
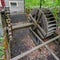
1,48
45,3
53,5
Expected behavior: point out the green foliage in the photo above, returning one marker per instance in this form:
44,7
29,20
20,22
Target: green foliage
1,39
45,3
56,12
1,47
32,3
51,4
1,51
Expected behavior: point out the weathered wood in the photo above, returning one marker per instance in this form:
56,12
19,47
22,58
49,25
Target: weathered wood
20,26
46,46
34,21
35,48
5,34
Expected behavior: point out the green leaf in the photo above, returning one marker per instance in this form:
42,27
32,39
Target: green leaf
1,39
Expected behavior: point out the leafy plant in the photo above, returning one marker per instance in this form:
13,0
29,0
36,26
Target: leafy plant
1,47
54,5
1,39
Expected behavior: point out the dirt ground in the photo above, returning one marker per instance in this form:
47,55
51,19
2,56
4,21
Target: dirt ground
22,42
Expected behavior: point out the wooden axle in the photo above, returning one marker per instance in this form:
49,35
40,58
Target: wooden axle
21,26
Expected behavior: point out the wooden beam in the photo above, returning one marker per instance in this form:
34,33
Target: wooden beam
20,26
35,48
